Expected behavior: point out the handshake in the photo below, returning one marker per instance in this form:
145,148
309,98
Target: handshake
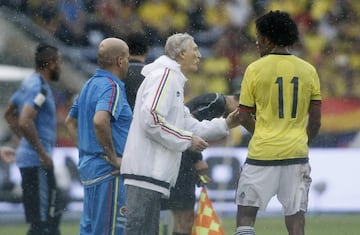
198,144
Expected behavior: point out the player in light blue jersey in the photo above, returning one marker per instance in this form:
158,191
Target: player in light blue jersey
31,115
98,122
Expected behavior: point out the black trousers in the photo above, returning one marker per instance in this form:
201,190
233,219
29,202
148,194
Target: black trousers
43,202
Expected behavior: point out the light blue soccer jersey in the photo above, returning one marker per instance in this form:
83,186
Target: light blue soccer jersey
104,91
36,92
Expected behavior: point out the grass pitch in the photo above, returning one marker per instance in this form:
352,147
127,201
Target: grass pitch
315,225
344,224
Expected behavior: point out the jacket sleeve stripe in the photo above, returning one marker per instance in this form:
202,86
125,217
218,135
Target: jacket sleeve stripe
155,105
157,97
173,130
175,133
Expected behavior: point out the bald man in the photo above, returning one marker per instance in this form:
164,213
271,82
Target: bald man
98,123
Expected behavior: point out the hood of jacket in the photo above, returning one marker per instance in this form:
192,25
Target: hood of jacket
162,62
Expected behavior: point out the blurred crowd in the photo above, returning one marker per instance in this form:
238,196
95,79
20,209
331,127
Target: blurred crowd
224,30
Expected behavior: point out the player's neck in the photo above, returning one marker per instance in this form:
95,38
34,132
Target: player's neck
280,50
45,75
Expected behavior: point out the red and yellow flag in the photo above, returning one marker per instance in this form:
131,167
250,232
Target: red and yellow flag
344,110
206,221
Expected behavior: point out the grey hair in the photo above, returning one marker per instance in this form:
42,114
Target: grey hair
177,43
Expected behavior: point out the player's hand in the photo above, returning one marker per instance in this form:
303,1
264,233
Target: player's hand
7,154
232,103
117,165
232,120
115,162
198,144
201,167
46,162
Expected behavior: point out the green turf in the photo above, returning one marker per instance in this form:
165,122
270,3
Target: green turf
315,225
68,228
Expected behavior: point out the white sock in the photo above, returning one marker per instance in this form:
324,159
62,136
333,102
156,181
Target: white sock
245,230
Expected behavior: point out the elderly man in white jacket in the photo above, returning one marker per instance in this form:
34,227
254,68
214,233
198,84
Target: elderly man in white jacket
162,128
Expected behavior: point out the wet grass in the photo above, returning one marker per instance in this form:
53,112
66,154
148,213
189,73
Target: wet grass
344,224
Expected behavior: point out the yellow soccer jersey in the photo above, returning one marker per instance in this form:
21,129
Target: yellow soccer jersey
280,88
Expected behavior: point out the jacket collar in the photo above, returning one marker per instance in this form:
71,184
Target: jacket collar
161,62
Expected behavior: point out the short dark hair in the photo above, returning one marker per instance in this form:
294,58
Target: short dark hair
278,27
138,43
44,54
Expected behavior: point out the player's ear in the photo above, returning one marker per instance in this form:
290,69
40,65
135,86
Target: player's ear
181,55
118,61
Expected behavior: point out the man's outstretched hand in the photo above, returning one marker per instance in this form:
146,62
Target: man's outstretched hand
232,120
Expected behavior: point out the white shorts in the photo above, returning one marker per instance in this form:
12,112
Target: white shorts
258,184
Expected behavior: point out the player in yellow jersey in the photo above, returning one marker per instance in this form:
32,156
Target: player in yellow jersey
280,104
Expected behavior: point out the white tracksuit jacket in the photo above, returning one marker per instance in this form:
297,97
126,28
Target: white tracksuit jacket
161,129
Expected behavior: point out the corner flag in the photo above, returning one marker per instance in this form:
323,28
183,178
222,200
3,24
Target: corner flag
206,221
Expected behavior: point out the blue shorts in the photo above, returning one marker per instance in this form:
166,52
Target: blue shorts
104,207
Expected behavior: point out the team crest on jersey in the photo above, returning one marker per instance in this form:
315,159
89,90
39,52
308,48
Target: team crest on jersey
122,210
